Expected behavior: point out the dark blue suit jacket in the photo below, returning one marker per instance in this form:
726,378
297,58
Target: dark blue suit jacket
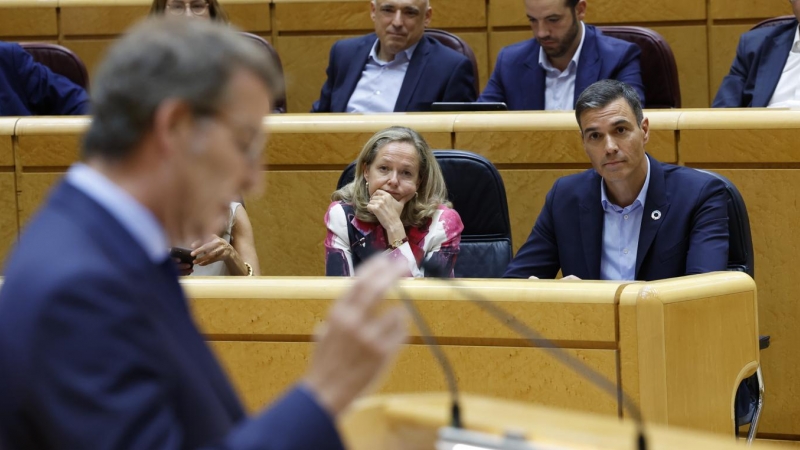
28,88
519,81
757,68
98,350
435,74
690,237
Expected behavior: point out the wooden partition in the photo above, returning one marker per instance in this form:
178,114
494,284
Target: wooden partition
702,33
8,199
756,149
678,347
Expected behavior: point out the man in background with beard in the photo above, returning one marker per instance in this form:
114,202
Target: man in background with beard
564,57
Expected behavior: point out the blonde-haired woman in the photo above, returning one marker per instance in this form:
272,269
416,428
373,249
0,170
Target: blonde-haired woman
397,204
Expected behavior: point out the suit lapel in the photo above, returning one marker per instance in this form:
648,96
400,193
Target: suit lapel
776,52
656,200
591,219
416,67
354,71
533,76
165,305
588,64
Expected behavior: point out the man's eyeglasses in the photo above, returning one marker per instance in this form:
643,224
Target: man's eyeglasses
178,8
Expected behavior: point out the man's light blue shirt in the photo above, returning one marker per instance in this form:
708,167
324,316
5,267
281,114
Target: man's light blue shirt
132,215
621,227
379,86
559,89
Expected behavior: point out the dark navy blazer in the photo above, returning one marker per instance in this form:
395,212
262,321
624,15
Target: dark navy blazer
435,74
98,350
690,237
757,68
519,81
28,88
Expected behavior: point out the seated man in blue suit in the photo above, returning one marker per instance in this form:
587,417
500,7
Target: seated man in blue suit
397,68
564,57
630,217
28,88
766,70
97,347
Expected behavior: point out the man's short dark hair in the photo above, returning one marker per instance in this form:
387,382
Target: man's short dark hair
160,59
571,4
602,93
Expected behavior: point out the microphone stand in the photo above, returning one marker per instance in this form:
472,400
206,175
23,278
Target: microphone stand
535,338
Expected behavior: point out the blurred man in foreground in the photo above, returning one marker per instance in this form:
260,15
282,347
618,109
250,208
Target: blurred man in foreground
97,348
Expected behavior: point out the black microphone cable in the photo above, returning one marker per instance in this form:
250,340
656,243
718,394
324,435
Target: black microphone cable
535,338
430,341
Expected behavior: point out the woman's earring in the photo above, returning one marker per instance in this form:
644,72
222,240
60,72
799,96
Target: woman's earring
416,194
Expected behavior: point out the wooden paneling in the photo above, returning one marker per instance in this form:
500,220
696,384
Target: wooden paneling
526,190
458,14
770,195
304,60
347,15
29,18
252,16
479,43
288,221
689,45
7,125
8,217
512,12
109,18
260,371
746,9
32,190
723,40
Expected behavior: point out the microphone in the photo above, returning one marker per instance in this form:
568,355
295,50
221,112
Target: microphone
431,342
431,269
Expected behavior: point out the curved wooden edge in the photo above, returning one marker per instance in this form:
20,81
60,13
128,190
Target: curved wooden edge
690,287
110,4
544,291
49,125
547,121
350,123
739,118
8,125
29,4
405,421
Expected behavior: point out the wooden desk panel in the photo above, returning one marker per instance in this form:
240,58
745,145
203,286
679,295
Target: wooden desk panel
261,371
260,330
546,138
504,13
770,195
745,9
338,15
304,60
29,18
8,187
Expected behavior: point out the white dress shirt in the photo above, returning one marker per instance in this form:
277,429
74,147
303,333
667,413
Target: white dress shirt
559,92
132,215
621,228
787,92
379,86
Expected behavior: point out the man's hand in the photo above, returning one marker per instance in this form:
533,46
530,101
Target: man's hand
388,211
357,344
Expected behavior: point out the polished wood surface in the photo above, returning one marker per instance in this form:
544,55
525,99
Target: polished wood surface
411,421
701,328
702,34
306,153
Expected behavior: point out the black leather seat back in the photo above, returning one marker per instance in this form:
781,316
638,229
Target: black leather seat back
740,250
478,194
